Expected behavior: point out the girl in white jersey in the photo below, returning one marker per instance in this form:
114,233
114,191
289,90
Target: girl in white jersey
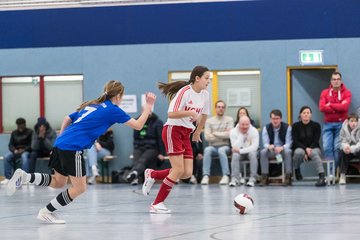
189,103
79,131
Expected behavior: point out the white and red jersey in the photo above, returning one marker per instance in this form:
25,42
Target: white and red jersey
187,99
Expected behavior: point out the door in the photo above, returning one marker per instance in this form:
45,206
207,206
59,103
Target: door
305,85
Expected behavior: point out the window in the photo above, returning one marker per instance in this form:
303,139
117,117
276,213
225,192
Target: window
238,88
31,97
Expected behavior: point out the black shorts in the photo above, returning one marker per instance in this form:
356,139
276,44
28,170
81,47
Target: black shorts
68,162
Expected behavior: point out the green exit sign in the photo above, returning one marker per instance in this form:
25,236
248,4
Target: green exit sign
311,57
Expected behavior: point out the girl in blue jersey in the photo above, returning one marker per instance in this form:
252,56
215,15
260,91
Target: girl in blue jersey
79,131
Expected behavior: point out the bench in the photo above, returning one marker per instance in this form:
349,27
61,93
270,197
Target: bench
352,162
330,164
246,165
104,164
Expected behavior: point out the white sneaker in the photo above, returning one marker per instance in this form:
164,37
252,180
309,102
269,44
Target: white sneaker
205,180
49,217
234,182
92,180
159,208
251,182
16,181
193,180
95,171
131,176
242,181
330,178
4,182
135,182
148,181
342,180
224,180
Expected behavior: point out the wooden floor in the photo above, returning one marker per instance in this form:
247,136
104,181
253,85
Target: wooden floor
119,211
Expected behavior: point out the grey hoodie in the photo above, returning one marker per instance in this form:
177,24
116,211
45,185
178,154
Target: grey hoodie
350,137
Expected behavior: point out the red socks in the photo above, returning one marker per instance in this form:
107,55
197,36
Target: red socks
160,174
164,191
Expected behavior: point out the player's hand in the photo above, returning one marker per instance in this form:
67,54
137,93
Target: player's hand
150,98
194,116
196,137
235,150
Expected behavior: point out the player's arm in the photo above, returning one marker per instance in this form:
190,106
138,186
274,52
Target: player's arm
138,124
66,122
182,114
196,136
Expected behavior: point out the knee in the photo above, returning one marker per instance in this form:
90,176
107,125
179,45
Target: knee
252,155
223,150
178,172
80,188
187,174
263,153
287,152
207,151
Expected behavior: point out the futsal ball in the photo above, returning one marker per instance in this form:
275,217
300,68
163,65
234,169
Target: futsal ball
244,203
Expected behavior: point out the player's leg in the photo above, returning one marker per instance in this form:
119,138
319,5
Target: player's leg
73,164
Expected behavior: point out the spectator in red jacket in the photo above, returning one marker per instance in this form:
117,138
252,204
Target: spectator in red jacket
334,103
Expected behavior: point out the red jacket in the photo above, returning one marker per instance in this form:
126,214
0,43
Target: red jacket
339,104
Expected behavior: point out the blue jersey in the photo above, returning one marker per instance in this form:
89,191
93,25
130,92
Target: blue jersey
88,124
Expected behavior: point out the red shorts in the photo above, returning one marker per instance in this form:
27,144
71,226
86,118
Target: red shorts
177,140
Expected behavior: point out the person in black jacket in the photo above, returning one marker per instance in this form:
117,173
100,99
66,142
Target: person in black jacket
102,147
148,148
306,136
42,141
20,147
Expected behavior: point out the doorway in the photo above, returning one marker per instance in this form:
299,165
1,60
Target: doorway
305,85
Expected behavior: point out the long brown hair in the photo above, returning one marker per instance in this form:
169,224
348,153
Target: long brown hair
170,89
111,89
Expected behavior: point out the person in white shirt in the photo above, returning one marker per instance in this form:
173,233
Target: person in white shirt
244,140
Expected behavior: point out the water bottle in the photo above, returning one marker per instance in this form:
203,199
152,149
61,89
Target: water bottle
279,158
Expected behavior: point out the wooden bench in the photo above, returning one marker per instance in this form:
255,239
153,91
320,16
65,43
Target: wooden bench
104,164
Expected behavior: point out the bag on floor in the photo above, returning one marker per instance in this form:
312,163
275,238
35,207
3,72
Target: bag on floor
120,176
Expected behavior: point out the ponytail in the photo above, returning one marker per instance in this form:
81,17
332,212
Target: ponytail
111,89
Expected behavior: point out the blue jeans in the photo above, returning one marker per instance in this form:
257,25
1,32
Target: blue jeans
222,151
93,156
331,141
10,162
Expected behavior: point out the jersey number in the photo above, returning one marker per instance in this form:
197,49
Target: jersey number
88,111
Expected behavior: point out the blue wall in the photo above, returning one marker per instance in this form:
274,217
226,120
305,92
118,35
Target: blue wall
179,23
93,45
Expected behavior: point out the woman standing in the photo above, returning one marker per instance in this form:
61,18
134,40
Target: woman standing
191,102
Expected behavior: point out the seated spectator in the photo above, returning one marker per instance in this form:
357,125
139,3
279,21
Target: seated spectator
306,144
148,148
20,147
276,138
42,141
243,112
217,129
350,143
102,147
244,140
